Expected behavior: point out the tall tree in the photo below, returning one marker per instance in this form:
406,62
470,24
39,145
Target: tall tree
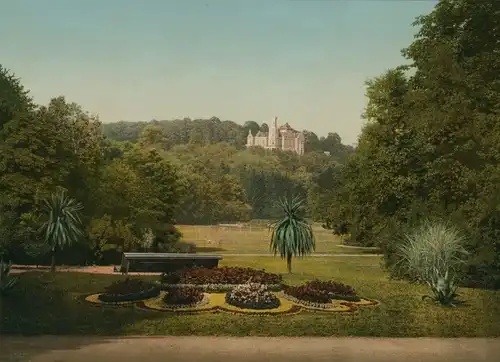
431,144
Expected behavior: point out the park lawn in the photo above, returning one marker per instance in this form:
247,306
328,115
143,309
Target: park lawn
51,304
255,240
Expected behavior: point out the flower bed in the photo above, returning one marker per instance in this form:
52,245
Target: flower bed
221,276
164,304
320,294
218,288
129,290
252,296
184,297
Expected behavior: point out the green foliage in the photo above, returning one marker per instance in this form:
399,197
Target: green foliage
63,225
7,282
129,290
430,144
135,176
434,254
292,235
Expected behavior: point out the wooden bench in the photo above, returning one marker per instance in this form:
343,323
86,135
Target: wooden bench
165,262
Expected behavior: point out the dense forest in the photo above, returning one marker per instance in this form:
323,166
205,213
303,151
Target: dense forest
222,180
429,149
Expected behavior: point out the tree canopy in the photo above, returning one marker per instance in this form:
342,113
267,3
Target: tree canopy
137,179
430,146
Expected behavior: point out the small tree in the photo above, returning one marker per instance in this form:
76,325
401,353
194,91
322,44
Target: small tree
292,235
147,240
434,254
63,226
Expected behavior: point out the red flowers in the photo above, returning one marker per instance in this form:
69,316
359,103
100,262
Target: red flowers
318,291
223,275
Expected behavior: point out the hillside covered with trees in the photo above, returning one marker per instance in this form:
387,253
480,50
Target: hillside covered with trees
138,178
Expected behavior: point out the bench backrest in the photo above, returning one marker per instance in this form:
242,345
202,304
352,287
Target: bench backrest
169,263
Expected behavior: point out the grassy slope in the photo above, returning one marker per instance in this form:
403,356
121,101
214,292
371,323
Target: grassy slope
53,307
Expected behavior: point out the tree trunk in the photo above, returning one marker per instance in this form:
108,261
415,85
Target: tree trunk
53,262
289,263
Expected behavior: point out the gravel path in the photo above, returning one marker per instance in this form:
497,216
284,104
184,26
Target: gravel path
246,349
17,269
312,255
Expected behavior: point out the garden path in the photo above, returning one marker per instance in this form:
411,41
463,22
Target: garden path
246,349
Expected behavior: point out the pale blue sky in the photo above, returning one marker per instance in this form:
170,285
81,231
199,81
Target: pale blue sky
303,61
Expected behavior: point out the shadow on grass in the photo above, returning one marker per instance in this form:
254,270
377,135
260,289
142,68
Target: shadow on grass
46,303
52,304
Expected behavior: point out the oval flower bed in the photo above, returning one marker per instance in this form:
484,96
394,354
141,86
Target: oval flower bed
325,295
127,291
254,298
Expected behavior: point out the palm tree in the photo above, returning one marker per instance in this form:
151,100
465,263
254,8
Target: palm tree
63,226
292,236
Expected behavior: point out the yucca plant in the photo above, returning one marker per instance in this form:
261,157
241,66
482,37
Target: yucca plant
63,226
434,254
6,281
292,235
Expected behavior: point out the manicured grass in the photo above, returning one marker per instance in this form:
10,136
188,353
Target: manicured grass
50,304
255,239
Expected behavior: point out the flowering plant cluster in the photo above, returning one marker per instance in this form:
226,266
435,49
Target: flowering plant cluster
252,296
224,275
322,292
187,296
218,288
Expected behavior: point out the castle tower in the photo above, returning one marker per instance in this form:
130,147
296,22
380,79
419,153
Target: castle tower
250,139
273,133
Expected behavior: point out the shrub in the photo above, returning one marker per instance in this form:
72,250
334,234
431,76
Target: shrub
7,282
318,291
183,296
252,296
435,255
179,247
224,275
129,290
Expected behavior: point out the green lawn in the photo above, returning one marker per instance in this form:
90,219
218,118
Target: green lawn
255,239
50,304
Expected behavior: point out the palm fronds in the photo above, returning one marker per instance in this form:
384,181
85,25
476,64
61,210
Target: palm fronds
63,226
292,235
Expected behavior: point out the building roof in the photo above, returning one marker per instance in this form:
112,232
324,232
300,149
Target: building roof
287,128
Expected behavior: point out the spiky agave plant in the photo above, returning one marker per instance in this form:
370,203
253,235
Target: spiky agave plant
292,235
63,226
434,254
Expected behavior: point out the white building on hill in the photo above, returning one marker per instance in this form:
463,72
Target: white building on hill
283,137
